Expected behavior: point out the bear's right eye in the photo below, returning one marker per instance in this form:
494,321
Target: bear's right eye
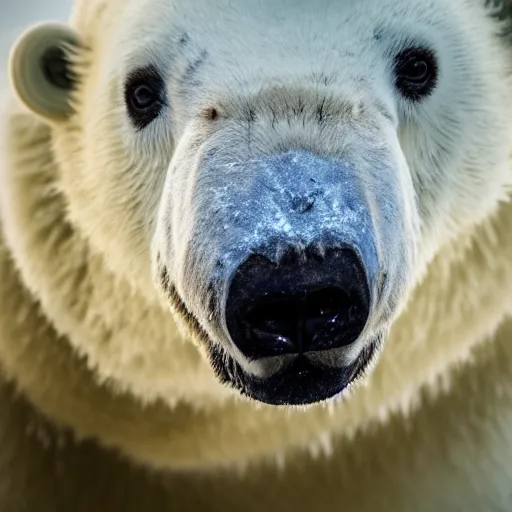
416,71
144,96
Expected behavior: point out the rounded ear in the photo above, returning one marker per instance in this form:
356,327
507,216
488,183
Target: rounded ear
39,70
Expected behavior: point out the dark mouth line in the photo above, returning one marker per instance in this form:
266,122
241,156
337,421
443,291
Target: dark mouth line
366,357
230,372
180,308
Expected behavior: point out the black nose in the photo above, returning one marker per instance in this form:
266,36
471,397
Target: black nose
299,305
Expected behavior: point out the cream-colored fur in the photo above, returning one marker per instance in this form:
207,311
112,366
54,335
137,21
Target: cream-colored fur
87,342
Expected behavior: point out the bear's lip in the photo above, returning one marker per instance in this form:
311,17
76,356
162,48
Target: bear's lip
300,383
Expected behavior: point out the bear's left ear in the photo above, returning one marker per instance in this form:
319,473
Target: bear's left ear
39,70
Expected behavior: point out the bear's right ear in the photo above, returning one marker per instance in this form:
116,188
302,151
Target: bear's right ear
39,70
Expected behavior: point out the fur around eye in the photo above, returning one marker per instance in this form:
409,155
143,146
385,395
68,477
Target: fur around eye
416,71
144,96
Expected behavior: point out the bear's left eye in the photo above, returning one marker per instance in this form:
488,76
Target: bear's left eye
415,73
144,96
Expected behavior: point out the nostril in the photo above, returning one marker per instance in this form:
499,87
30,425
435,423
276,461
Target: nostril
273,317
273,322
330,312
324,306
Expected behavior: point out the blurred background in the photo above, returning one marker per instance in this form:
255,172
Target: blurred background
15,15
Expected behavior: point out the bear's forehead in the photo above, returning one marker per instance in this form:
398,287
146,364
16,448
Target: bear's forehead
228,26
277,13
327,34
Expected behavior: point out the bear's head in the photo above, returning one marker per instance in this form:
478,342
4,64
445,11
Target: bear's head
278,173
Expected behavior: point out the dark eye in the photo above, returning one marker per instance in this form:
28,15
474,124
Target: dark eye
415,73
144,96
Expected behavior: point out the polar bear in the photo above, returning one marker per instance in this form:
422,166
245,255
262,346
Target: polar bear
258,256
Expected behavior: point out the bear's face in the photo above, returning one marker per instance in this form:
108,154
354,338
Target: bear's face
285,170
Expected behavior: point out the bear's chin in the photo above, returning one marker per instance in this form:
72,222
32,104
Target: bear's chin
300,383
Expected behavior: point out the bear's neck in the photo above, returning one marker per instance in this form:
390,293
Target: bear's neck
72,336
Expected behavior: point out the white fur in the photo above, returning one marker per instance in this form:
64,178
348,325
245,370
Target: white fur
86,204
